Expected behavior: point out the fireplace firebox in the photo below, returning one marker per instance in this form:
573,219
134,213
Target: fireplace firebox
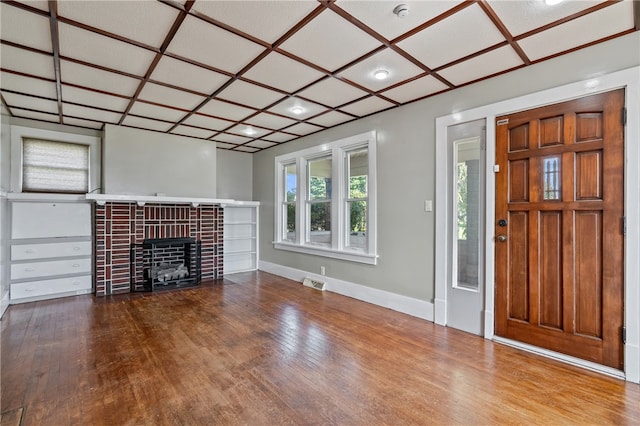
165,263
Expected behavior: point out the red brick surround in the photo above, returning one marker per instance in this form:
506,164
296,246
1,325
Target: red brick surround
118,225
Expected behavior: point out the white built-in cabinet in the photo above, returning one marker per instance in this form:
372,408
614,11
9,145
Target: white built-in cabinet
51,247
240,236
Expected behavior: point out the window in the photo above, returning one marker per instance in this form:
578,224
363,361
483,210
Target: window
356,202
52,161
468,183
49,166
319,201
290,184
326,200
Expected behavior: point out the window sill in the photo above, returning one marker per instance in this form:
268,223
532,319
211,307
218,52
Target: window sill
352,256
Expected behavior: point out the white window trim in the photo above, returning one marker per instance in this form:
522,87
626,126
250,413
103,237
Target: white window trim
18,133
338,249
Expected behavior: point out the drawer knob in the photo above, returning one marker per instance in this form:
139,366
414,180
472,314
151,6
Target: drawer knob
76,265
29,251
76,248
29,269
76,283
28,289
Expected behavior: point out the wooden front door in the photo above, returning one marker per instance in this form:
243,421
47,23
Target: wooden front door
560,227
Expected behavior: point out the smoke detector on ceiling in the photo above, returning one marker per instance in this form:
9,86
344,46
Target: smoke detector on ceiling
402,10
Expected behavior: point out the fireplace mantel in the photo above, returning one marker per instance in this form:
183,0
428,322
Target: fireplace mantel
141,200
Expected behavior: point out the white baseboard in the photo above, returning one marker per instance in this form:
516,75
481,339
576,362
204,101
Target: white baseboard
488,324
631,369
440,316
396,302
4,303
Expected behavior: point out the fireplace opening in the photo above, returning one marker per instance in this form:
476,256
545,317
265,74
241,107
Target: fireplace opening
165,263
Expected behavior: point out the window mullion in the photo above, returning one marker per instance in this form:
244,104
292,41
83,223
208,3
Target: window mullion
301,201
338,194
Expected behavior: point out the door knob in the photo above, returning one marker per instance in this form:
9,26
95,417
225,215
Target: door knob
501,238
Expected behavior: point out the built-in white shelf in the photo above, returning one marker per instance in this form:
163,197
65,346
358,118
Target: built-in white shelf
240,236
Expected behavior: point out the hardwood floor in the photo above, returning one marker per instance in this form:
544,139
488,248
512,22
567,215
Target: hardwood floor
258,349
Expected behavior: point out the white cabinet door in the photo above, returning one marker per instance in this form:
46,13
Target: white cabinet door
50,220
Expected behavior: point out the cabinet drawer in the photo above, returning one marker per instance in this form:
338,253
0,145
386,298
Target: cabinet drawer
40,251
48,287
55,267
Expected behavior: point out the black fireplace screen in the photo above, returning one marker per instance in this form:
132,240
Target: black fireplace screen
164,263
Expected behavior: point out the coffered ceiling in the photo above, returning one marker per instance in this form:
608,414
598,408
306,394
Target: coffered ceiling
249,75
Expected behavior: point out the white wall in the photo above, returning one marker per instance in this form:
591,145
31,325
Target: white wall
5,169
139,162
406,169
234,175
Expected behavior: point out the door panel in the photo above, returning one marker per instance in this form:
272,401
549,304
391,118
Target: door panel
559,261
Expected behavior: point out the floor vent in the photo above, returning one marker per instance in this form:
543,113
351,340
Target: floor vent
318,285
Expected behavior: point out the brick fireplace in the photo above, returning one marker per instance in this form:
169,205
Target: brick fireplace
120,225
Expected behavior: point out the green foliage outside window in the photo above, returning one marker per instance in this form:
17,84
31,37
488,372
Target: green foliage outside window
358,210
462,201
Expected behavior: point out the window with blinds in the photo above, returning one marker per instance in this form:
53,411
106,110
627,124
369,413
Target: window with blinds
49,166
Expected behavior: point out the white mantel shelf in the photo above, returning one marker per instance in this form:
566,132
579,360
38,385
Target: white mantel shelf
141,200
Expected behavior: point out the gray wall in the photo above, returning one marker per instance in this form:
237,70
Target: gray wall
228,175
25,122
406,169
139,162
234,175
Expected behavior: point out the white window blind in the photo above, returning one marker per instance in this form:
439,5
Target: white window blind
49,166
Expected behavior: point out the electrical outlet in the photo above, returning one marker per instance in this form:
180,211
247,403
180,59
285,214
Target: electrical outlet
322,270
428,205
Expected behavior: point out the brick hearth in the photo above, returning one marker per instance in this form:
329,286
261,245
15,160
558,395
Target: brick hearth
119,225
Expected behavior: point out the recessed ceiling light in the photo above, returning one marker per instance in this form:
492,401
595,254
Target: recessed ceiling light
297,110
249,131
381,74
552,2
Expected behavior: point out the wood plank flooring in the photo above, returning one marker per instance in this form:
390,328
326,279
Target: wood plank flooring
257,349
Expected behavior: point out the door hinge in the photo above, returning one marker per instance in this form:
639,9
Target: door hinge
624,116
624,225
624,334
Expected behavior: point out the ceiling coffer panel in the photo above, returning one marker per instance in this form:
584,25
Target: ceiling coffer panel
250,75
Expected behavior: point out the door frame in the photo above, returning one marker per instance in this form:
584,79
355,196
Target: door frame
629,79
